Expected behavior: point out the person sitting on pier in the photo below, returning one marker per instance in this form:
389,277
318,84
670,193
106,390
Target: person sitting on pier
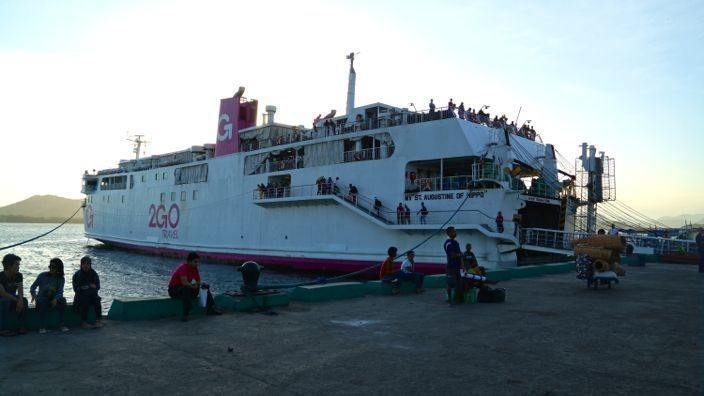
408,272
386,272
11,294
699,240
471,266
500,222
50,293
469,260
86,284
454,264
185,285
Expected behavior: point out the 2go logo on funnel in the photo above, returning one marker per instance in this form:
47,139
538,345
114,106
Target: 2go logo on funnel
165,220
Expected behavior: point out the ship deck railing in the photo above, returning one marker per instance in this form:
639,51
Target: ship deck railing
383,213
555,240
390,119
368,154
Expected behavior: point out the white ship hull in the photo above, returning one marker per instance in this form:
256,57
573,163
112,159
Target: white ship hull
224,217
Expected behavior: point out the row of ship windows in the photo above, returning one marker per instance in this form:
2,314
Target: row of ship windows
162,197
194,196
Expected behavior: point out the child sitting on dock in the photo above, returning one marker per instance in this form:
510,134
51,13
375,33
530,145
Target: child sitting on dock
408,272
185,285
11,294
86,285
48,291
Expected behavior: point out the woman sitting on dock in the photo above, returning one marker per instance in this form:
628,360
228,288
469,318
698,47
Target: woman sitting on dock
50,293
86,285
185,285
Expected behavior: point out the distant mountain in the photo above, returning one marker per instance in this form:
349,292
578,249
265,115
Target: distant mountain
678,221
42,209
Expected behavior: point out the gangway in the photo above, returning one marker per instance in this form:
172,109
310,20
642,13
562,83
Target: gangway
549,241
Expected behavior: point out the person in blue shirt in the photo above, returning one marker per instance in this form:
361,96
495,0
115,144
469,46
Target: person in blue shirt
454,263
48,292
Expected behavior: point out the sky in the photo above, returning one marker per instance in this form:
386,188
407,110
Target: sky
77,77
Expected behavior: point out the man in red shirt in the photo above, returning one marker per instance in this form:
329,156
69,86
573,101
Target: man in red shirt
185,284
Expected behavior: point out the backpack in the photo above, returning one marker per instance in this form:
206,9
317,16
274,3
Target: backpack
489,295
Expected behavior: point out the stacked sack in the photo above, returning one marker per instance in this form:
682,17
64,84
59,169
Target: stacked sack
604,252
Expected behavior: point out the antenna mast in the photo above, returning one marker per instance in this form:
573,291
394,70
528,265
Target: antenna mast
350,87
138,141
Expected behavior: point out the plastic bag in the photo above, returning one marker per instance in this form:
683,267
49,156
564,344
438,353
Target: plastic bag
203,297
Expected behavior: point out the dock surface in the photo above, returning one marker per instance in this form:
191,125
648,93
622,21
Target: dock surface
552,336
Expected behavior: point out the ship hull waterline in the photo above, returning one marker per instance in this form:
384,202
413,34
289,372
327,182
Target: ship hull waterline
308,264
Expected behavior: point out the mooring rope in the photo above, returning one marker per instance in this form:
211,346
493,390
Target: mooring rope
44,234
322,280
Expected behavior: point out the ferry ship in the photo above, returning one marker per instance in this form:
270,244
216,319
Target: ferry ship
335,196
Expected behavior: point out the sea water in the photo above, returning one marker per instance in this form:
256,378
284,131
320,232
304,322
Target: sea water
122,273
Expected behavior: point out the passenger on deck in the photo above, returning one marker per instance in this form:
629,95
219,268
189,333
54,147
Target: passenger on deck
11,294
500,222
400,214
50,294
86,284
408,272
377,206
482,116
328,186
423,212
185,285
386,272
353,193
460,110
359,122
613,230
406,214
431,107
336,186
451,108
454,263
326,124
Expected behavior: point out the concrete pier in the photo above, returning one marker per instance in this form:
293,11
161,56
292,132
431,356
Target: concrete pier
552,336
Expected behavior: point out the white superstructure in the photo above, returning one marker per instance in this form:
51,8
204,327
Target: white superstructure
262,197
